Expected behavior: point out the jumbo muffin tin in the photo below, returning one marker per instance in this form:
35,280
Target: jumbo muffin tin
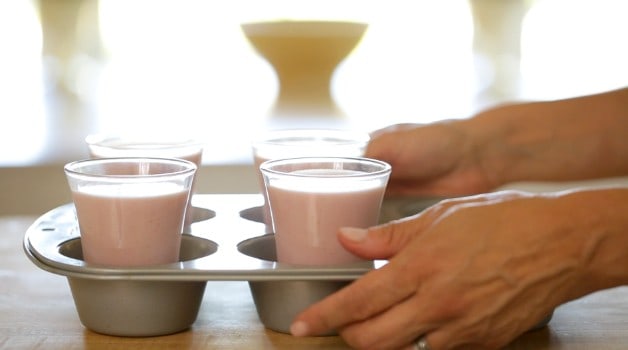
227,241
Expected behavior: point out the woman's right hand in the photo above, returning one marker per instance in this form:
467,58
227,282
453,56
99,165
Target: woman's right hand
563,140
439,159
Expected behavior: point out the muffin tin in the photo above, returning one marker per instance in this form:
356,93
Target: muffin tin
226,242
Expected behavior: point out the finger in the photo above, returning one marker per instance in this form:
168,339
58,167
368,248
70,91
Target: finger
392,128
400,187
442,207
447,338
383,241
389,144
454,338
394,328
366,297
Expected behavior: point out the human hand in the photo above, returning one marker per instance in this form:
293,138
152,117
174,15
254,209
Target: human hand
474,272
437,159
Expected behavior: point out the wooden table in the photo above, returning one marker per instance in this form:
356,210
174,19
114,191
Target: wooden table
37,311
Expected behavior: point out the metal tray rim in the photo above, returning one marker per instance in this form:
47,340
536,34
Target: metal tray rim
44,237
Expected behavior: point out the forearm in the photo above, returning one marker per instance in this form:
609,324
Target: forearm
572,139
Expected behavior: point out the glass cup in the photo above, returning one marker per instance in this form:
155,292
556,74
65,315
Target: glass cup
111,146
292,143
310,198
130,211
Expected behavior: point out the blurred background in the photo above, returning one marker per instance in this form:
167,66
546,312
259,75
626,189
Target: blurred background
69,68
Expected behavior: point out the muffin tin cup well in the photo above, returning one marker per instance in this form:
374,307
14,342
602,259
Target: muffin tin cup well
227,242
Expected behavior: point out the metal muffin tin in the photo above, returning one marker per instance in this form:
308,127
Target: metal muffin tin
226,242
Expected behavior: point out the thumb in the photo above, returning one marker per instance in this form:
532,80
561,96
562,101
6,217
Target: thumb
384,241
379,242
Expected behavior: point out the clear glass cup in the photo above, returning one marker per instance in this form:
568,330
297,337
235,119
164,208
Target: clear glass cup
310,198
130,211
159,146
291,143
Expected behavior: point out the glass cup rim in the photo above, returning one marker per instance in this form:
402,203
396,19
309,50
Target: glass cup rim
71,168
267,166
140,142
279,137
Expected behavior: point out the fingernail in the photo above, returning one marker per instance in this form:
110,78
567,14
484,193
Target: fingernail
299,329
354,234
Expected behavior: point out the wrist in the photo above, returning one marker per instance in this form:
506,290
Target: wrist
492,136
562,140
